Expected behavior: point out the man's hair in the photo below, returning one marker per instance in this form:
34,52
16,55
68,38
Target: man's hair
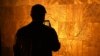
38,9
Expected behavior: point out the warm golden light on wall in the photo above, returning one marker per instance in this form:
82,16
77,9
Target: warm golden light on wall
76,22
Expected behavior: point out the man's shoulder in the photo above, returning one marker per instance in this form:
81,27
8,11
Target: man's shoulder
22,30
49,28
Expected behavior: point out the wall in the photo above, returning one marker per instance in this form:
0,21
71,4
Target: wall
76,23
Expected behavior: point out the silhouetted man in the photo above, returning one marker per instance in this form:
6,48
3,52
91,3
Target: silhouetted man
36,39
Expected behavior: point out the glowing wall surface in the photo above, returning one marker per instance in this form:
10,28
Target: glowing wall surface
76,22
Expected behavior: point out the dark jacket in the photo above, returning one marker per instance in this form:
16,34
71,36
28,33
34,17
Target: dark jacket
36,40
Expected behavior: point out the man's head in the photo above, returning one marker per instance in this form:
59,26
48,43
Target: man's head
38,13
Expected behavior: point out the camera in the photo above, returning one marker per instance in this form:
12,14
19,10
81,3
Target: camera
47,23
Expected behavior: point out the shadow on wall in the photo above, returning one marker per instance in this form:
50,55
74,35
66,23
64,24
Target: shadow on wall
0,41
8,24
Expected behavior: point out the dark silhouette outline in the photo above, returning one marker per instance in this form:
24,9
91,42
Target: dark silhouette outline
36,39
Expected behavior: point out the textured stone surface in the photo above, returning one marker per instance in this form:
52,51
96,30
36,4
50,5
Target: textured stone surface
76,22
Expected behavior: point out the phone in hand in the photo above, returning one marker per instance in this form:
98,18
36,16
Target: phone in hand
47,22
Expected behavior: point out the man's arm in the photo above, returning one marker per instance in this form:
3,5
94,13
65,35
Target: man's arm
17,46
55,41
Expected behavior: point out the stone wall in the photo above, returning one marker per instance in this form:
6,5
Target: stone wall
76,22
